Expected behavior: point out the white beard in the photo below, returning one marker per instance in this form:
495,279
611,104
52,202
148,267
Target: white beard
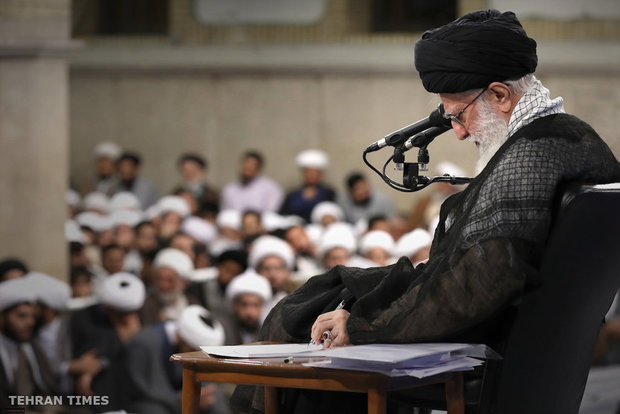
169,298
489,133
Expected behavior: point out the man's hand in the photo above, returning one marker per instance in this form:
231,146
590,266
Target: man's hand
83,383
336,323
88,363
127,326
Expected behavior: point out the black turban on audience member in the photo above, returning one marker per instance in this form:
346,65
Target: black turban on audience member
471,52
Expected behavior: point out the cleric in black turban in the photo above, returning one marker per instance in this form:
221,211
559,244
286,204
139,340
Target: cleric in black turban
471,52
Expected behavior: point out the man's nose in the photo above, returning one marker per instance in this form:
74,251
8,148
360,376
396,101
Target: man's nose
459,130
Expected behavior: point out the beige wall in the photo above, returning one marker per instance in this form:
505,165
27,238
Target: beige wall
34,128
333,85
219,115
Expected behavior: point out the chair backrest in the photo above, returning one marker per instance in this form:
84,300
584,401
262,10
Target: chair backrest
551,343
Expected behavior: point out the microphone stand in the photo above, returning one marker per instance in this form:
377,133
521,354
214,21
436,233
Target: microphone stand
412,180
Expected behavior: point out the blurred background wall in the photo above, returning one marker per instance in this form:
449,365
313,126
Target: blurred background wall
336,75
162,77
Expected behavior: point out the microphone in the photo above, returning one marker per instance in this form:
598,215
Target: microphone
396,138
424,138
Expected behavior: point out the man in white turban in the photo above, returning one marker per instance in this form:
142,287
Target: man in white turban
378,247
104,329
156,382
247,295
274,259
173,272
300,201
336,245
24,369
106,154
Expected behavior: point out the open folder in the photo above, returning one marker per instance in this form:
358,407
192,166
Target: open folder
418,360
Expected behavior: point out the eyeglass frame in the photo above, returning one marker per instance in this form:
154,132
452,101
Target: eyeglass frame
455,117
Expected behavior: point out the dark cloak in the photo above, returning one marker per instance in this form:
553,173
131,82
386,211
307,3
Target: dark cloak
486,251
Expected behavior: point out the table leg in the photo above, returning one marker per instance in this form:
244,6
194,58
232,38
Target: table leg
272,405
191,392
377,401
455,397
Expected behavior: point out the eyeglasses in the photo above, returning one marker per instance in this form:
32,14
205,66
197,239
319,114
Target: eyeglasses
456,117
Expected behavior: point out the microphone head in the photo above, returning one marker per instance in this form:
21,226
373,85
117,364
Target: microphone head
437,119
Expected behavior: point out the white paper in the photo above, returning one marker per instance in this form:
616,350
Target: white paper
260,351
417,360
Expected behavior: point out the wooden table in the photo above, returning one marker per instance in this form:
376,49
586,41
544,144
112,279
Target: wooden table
274,373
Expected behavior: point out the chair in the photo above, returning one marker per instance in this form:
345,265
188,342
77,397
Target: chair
550,345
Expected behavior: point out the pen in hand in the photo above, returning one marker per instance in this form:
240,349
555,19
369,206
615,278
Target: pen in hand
347,296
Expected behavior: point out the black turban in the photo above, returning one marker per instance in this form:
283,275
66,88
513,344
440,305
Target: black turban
471,52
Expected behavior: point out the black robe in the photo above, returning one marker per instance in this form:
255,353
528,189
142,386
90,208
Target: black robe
486,251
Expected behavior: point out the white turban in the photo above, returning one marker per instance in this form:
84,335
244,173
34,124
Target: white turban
108,150
249,282
14,292
97,201
312,159
125,217
94,221
50,291
73,232
314,232
173,204
377,238
125,201
273,221
229,218
411,243
199,229
446,167
197,328
72,198
271,246
123,292
337,235
176,260
326,208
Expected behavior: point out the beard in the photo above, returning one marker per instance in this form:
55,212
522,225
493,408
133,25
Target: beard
489,133
169,298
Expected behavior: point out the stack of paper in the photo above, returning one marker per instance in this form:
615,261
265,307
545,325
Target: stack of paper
417,360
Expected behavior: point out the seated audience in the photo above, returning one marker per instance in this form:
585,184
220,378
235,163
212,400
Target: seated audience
173,272
362,202
274,259
247,295
156,382
12,268
104,329
313,190
193,169
252,191
128,166
24,368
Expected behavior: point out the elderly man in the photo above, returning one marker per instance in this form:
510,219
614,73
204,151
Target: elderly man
487,246
173,272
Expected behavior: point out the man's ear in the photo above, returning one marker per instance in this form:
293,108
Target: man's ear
502,97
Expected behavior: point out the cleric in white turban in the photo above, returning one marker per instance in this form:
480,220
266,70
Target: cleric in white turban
247,295
313,190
